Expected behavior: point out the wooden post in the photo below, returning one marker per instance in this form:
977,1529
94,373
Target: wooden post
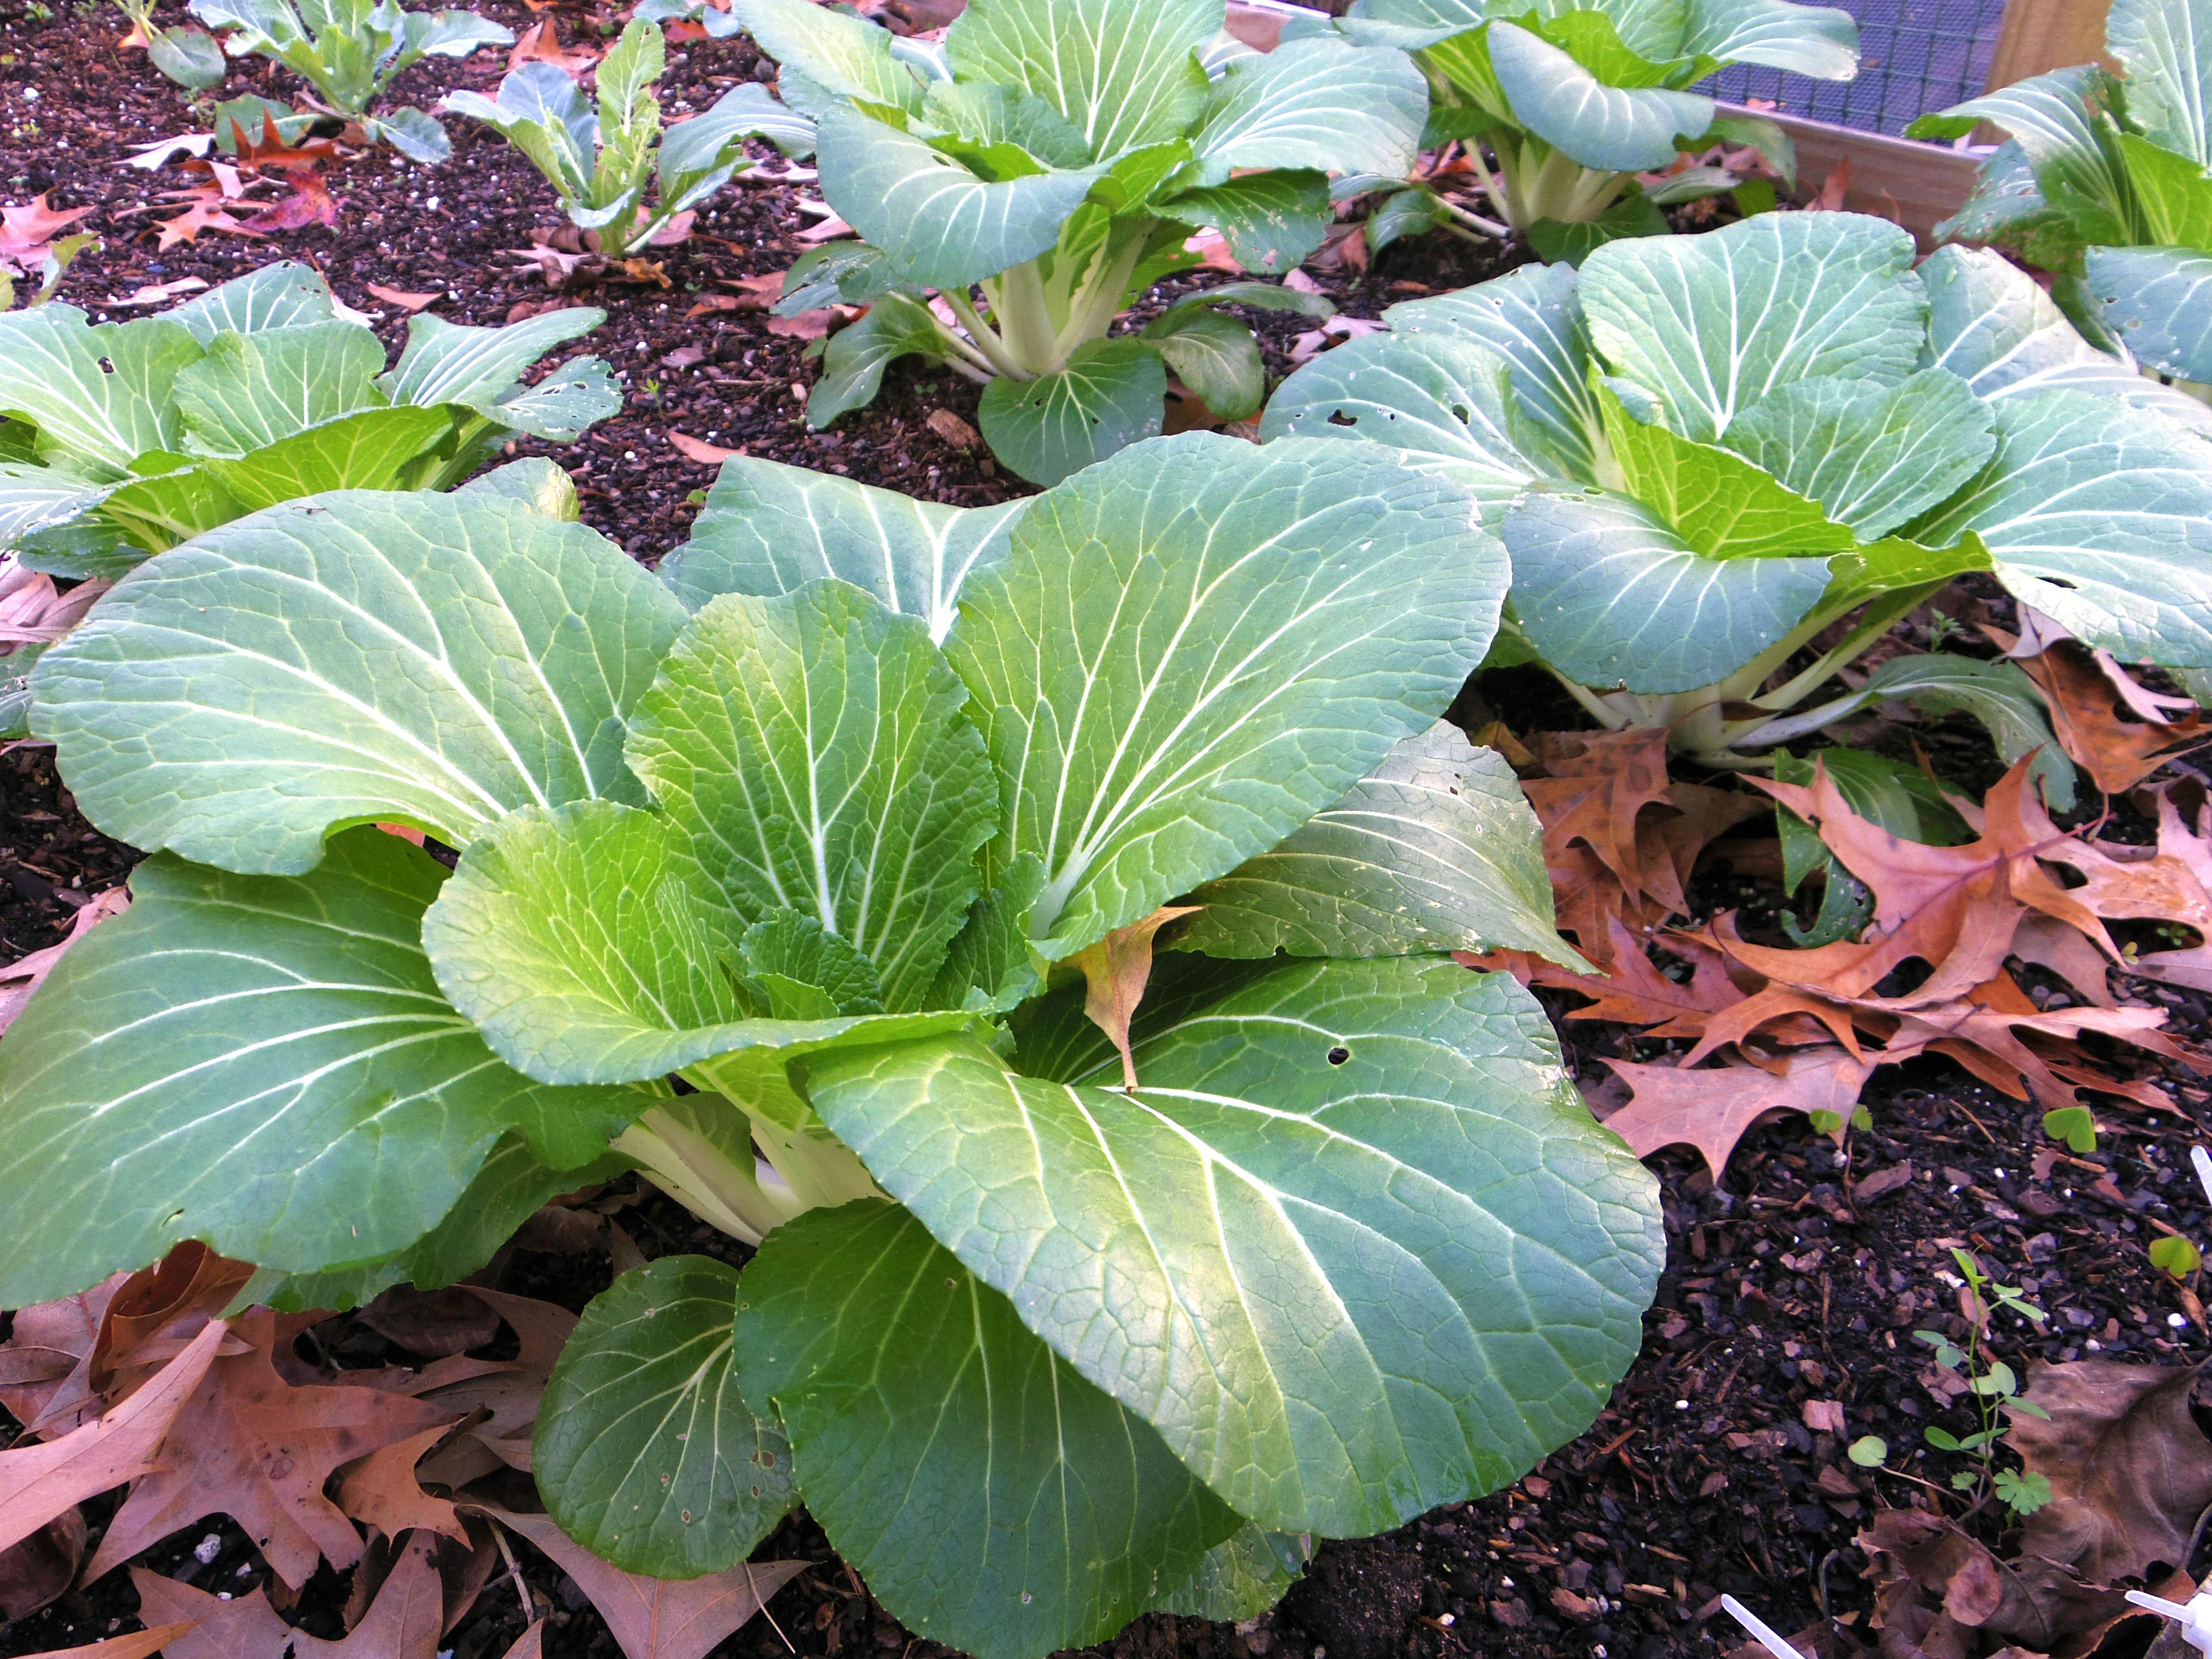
2038,36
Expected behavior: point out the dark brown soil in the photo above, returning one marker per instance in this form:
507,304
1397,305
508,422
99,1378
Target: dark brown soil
1783,1288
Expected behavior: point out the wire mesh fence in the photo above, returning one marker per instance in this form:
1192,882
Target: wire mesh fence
1915,56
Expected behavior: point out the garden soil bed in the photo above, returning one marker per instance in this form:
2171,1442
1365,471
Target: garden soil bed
1794,1285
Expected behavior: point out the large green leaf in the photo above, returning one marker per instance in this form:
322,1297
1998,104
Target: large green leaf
252,390
1109,397
1271,221
767,528
1613,128
371,449
1713,324
1355,1247
55,374
2057,123
1320,103
1720,505
1440,402
512,1185
2165,46
1874,456
1816,40
262,1063
833,52
2174,194
1124,72
1610,596
1532,318
1215,357
588,947
481,367
1241,1577
1193,647
936,222
644,1452
2100,517
274,296
814,748
2159,301
1990,322
993,1499
432,660
1436,850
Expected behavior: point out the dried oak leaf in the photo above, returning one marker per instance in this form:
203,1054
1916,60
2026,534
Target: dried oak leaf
655,1618
2129,1470
46,1479
406,302
251,1445
34,1570
1939,1591
1115,970
699,450
159,1308
1713,1107
2086,692
541,44
381,1490
404,1622
1634,992
24,975
26,229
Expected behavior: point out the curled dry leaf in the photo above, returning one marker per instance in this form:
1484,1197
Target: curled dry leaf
541,44
404,1622
35,1570
2088,692
405,301
952,429
2129,1470
1115,972
699,450
1712,1108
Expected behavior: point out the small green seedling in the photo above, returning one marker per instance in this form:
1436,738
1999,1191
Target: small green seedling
1994,1387
2075,1126
2175,1255
1869,1451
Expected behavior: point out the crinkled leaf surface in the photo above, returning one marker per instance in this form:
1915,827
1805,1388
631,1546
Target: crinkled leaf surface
433,660
53,374
994,1499
1271,221
1436,850
1123,72
838,52
251,390
274,296
262,1063
1873,456
1713,324
1192,648
455,363
767,528
587,946
814,748
1610,596
644,1452
1355,1247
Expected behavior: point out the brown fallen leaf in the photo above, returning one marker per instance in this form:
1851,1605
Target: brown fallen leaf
138,1645
806,325
1829,198
541,44
404,1622
1114,971
434,1324
35,1570
381,1490
2129,1470
26,974
655,1618
952,429
400,297
1711,1107
203,214
2084,692
251,1445
160,294
699,450
530,1644
1594,787
27,230
39,1482
160,1308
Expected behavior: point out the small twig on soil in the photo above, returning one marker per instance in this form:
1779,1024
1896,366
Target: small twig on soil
515,1572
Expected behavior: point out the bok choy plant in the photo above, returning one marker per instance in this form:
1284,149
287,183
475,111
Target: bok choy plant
1045,168
120,439
820,881
1725,465
601,153
350,50
1572,101
2106,184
